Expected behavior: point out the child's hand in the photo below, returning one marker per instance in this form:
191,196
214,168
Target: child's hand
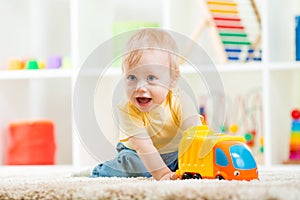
169,176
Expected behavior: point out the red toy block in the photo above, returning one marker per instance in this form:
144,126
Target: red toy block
31,143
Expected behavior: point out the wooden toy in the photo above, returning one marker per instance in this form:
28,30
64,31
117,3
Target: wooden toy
235,27
295,136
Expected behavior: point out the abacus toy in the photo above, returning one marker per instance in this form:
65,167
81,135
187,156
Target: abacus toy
235,26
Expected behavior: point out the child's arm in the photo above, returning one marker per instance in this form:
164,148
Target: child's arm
151,158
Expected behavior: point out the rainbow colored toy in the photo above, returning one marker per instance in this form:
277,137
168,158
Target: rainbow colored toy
205,154
238,25
295,136
235,27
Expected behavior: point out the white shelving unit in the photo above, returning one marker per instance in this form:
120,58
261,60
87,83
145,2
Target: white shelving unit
36,29
35,74
273,76
36,95
281,77
48,93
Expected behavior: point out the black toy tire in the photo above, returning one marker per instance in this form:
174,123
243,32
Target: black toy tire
219,177
197,176
186,176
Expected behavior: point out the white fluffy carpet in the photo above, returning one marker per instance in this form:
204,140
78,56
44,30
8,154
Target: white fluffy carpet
56,183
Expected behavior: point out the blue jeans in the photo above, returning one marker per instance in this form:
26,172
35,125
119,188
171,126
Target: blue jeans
128,164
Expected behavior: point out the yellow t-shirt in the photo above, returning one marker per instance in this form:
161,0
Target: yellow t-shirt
163,124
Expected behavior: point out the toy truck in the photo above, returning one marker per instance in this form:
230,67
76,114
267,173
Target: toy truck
205,154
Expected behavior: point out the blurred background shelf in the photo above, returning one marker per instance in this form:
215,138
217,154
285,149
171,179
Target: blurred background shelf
75,28
35,74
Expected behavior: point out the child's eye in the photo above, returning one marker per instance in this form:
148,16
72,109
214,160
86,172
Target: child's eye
131,77
151,78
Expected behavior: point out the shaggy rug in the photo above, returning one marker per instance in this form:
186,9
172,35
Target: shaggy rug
56,183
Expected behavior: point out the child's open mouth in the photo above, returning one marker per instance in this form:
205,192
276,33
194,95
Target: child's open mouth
143,101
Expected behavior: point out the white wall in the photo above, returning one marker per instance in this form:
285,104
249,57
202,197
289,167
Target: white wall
34,29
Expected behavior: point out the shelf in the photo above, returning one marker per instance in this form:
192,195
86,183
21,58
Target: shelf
241,67
35,74
277,72
232,67
281,66
249,67
188,69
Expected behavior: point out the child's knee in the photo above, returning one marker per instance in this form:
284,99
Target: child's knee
127,156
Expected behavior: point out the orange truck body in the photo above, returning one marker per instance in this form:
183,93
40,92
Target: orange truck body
205,154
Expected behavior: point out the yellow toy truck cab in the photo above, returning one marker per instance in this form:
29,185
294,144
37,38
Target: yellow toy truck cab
205,154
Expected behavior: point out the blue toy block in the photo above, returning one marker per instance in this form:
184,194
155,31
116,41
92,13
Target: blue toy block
296,125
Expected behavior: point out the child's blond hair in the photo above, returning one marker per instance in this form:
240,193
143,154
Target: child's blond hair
151,39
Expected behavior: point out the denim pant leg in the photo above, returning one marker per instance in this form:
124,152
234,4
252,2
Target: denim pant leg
126,164
171,160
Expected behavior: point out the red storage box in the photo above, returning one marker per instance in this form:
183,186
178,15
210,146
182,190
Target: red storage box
31,143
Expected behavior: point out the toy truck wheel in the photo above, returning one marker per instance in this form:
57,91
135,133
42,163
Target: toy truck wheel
197,176
186,176
219,177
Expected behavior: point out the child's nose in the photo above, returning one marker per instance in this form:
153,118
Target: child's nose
141,85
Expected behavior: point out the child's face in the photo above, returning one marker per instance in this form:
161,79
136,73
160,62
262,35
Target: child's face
148,83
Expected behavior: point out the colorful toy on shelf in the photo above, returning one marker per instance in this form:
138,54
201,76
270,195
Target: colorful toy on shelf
235,28
223,128
233,128
261,144
32,64
297,37
66,63
295,136
243,117
42,64
250,138
205,154
295,114
54,62
238,25
16,64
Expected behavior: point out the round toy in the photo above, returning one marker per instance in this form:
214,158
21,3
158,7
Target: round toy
295,114
223,128
234,128
248,136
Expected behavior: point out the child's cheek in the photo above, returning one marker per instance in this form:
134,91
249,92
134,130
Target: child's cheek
130,90
164,83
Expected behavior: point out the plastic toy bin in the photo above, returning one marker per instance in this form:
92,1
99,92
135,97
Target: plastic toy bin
31,143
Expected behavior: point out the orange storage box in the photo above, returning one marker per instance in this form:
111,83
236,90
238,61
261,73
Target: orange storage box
31,143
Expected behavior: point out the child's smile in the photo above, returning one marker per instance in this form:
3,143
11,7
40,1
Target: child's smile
143,101
148,83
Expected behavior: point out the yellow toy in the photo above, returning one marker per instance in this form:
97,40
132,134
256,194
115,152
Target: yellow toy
205,154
